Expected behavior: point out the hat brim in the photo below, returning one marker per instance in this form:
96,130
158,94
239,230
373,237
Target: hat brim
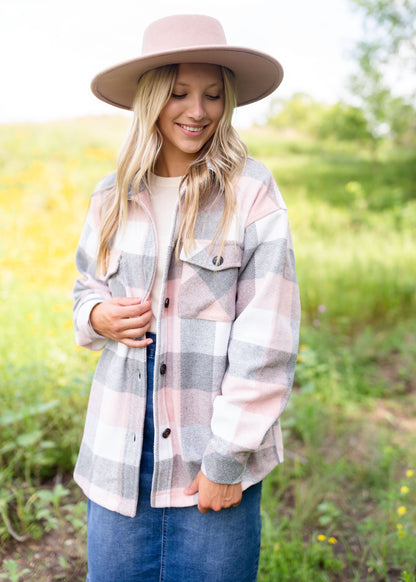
257,74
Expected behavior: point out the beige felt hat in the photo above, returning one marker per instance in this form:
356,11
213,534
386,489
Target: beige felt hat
190,38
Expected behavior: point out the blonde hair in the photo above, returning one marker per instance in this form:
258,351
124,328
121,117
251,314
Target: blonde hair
218,163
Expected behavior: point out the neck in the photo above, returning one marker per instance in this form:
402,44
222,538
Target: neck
168,167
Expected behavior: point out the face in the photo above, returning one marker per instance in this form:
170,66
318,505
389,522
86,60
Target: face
190,117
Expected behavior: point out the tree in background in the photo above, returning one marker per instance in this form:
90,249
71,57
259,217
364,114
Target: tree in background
383,90
385,84
345,123
305,115
301,113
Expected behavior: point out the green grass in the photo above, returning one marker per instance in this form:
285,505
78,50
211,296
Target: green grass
353,222
342,505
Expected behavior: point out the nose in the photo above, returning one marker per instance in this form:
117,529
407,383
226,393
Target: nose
196,109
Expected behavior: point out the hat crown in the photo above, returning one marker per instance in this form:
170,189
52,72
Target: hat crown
189,38
182,31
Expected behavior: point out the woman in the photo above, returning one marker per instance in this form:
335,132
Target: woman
188,285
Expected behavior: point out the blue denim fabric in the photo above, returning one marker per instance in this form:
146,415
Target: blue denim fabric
173,544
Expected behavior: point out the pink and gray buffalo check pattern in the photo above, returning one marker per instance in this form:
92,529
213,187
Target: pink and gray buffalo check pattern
227,341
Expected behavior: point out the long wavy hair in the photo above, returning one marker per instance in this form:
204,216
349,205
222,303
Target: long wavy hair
207,179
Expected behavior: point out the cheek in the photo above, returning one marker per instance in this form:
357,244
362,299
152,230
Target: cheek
164,122
214,111
218,111
167,114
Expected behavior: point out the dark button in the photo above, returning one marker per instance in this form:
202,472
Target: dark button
218,261
163,369
167,302
166,433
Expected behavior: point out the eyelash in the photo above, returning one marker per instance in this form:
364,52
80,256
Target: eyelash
211,97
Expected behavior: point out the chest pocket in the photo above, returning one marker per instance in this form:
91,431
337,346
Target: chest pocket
209,282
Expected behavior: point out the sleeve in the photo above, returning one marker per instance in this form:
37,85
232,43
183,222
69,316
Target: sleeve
263,346
88,290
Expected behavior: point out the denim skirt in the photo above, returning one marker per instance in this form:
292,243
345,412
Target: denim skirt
173,544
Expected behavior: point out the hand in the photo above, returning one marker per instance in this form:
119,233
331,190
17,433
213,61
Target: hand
123,319
213,495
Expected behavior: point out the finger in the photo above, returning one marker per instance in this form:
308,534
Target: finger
119,332
135,333
193,487
142,343
133,329
136,337
126,301
135,310
135,326
203,509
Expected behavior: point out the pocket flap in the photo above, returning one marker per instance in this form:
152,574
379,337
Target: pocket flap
113,263
212,257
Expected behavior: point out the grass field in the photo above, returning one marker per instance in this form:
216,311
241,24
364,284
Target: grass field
342,506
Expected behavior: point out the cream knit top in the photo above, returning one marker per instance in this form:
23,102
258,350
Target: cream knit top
164,195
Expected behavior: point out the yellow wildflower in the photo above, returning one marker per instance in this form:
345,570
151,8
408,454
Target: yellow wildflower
332,540
409,473
404,490
276,547
321,538
401,510
399,526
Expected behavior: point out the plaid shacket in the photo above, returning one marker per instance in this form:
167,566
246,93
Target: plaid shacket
227,340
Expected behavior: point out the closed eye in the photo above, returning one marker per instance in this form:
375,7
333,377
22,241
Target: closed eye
183,95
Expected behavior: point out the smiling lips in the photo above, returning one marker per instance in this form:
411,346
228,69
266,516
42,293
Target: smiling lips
192,128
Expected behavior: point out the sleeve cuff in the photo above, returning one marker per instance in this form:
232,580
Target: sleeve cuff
223,469
85,334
